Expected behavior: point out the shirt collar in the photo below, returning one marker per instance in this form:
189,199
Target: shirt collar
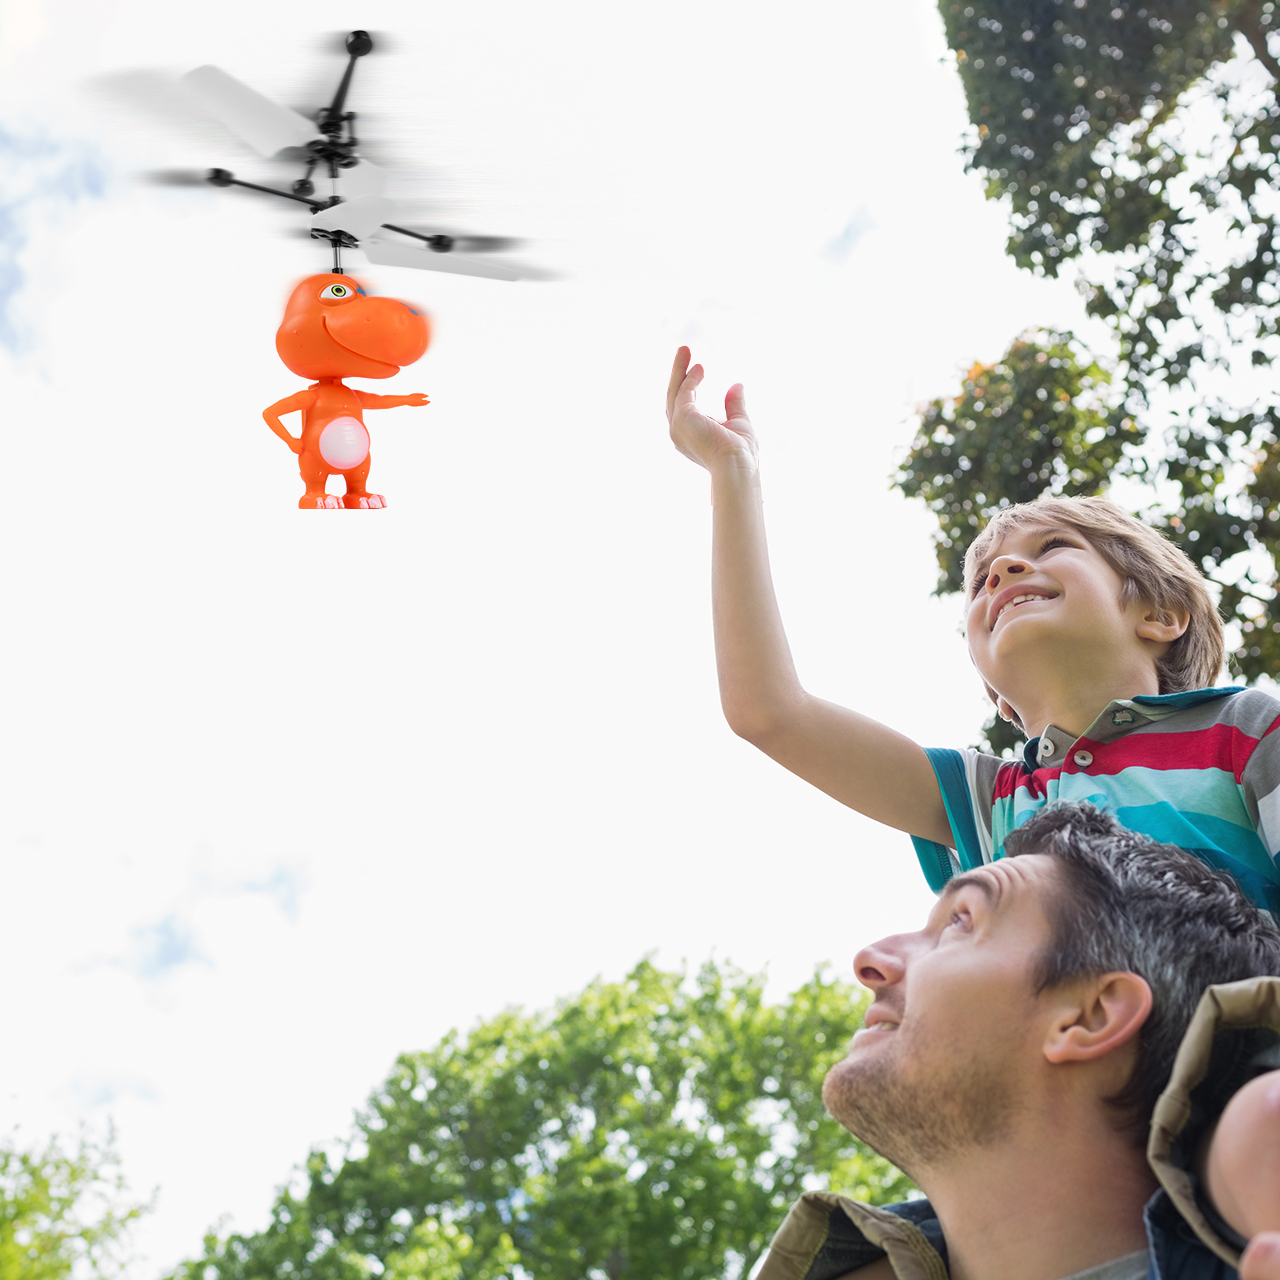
1120,717
1188,698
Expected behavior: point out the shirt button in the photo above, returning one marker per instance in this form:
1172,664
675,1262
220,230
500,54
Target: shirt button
1083,758
1045,749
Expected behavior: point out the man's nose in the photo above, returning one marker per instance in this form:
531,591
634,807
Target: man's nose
880,964
1002,567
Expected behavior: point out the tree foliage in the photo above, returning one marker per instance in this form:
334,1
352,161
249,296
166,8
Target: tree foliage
63,1211
651,1127
1122,133
1137,145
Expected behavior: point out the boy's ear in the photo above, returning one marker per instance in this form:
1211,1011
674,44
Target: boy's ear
1096,1016
1003,709
1162,626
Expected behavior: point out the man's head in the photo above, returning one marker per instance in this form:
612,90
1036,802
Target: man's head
1158,601
1062,976
1125,902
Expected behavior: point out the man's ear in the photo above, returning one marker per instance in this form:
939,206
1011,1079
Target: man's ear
1162,626
1105,1013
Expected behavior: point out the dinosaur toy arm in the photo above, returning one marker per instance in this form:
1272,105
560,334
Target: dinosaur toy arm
370,401
302,401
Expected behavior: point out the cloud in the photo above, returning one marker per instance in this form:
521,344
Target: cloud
159,947
162,947
45,177
838,249
102,1089
284,886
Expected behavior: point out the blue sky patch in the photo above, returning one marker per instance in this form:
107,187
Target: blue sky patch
45,177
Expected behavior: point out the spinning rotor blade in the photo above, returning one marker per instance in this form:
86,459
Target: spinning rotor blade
363,179
389,253
466,243
160,99
176,177
486,244
265,125
341,42
359,217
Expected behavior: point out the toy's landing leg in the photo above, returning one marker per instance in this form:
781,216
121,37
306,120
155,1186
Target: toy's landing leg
314,476
357,496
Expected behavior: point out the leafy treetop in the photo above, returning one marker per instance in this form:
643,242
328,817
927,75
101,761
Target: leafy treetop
1120,132
650,1127
63,1212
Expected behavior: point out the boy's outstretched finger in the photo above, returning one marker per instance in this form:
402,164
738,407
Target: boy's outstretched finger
686,391
678,371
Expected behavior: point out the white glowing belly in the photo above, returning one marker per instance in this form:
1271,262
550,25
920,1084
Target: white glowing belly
344,444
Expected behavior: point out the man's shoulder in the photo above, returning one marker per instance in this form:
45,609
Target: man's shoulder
826,1236
1233,1034
1177,1254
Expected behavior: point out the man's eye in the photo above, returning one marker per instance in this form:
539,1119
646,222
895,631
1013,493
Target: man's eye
1056,542
958,918
979,582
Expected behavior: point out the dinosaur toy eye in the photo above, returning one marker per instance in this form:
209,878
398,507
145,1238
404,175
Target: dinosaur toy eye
337,291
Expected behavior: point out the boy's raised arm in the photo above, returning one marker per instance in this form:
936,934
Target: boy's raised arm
851,757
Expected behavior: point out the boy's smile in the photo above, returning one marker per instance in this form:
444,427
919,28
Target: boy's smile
1014,596
1032,565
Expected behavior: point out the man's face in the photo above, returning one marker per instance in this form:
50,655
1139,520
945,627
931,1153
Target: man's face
953,1040
1046,594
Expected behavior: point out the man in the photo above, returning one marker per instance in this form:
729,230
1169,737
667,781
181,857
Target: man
1012,1058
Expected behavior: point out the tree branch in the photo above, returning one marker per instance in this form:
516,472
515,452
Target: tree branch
1249,25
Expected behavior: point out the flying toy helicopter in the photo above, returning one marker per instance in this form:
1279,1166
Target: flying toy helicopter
332,328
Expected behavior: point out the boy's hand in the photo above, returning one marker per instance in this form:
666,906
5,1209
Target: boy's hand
703,439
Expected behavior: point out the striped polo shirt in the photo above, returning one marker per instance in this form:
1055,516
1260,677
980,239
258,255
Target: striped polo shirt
1198,769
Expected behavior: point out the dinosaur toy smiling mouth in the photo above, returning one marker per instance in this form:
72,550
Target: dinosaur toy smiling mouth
378,329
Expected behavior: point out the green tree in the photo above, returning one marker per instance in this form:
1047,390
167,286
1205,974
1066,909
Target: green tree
1127,137
1137,146
656,1126
63,1211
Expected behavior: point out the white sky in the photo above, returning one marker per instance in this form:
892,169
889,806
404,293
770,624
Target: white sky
285,793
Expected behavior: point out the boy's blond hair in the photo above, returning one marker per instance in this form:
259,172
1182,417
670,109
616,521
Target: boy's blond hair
1152,568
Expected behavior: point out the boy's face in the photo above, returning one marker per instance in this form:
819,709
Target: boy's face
1045,600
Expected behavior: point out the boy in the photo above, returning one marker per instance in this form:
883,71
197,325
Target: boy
1091,632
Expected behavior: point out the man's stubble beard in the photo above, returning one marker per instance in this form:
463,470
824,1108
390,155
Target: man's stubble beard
916,1123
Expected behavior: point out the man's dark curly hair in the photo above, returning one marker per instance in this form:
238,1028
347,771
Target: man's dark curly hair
1130,904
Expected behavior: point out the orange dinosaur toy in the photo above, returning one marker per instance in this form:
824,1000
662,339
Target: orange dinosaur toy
332,330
